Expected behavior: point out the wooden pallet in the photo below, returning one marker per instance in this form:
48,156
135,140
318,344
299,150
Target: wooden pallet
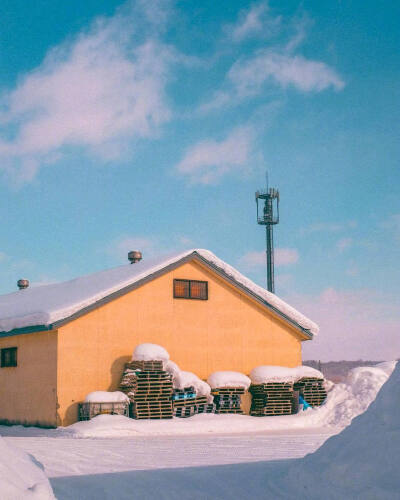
229,410
155,365
312,389
190,402
227,390
151,416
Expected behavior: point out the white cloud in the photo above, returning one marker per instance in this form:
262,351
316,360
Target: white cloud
343,244
249,75
93,92
207,161
252,22
282,257
354,324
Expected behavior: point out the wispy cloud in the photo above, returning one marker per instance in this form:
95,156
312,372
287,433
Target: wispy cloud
207,161
280,64
282,257
253,22
249,75
93,92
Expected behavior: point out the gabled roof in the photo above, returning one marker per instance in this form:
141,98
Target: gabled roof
47,307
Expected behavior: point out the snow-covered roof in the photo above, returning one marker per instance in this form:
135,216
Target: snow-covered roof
48,304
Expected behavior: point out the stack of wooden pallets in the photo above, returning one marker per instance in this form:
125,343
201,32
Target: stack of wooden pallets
186,403
149,389
312,390
228,399
273,398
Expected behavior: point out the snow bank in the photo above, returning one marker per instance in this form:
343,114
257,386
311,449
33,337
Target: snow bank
44,305
268,373
150,352
360,462
349,399
345,401
228,379
184,379
106,397
21,477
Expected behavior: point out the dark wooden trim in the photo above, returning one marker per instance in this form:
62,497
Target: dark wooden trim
150,277
190,289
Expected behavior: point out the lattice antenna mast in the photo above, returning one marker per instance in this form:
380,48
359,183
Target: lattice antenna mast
268,216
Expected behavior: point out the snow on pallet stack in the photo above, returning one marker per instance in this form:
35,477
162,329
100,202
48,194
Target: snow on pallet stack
271,398
275,389
227,389
147,384
312,390
191,394
104,403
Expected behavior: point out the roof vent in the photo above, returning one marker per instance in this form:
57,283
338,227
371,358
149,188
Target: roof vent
134,256
22,284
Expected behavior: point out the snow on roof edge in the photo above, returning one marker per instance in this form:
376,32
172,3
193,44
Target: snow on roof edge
41,316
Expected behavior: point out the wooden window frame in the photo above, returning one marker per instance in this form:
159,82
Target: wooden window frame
13,357
189,283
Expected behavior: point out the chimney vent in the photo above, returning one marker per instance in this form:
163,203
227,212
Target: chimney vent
134,256
22,284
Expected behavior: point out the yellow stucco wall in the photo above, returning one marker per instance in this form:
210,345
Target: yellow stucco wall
227,332
28,391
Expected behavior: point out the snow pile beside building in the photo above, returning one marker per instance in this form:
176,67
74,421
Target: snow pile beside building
20,477
106,397
228,379
267,373
360,462
351,398
150,352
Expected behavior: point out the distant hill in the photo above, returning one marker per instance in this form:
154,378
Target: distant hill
337,370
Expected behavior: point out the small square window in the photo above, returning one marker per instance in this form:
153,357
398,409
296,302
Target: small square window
8,357
191,289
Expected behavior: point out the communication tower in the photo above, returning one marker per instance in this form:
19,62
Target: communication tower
267,201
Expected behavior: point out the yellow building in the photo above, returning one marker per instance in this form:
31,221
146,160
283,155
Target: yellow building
61,341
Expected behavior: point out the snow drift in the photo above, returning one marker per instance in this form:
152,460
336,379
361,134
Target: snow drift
21,477
345,401
360,462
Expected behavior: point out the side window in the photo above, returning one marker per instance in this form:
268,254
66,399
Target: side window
8,357
190,289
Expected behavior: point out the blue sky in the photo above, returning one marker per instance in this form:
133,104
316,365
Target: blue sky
150,125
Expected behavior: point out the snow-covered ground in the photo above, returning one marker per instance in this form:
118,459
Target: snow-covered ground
221,456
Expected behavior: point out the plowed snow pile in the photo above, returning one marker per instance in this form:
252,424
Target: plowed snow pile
20,477
360,462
